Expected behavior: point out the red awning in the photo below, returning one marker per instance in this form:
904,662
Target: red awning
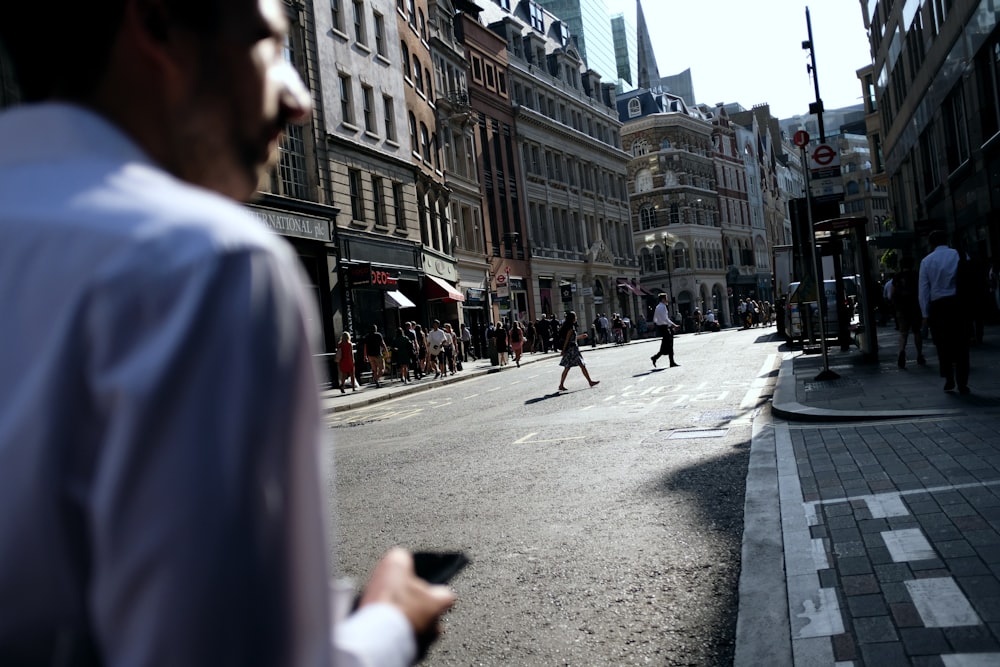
440,289
623,283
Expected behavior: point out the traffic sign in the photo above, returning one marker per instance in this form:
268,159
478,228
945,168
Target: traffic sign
801,138
823,156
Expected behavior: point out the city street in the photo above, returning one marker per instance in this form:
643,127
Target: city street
604,525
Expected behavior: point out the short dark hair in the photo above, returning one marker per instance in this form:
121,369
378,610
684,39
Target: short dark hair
938,237
66,53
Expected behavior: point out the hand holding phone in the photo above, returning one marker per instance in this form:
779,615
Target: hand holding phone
438,567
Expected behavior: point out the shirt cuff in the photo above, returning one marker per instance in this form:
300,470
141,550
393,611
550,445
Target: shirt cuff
378,635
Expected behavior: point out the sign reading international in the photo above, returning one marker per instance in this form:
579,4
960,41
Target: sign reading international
294,224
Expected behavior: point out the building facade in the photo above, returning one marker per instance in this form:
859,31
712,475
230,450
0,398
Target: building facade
936,79
573,168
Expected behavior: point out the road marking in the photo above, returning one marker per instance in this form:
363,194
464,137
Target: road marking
907,544
526,439
823,617
886,505
971,659
494,389
940,603
465,398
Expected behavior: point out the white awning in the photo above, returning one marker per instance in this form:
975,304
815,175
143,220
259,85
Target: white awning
396,299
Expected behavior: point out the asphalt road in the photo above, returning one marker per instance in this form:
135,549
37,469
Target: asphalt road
604,525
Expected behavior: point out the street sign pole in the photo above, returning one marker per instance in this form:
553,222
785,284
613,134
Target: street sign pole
826,373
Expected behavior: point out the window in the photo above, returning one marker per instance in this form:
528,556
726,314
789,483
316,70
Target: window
425,143
680,257
357,196
390,117
418,74
346,102
398,205
537,17
292,163
338,15
406,58
414,145
957,146
647,218
360,33
379,22
661,258
634,108
378,199
368,101
675,214
643,180
411,11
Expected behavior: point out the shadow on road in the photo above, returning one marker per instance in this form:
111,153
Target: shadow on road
716,491
539,399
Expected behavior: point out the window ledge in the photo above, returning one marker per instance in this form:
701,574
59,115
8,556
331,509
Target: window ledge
384,59
390,142
364,48
372,135
336,32
350,126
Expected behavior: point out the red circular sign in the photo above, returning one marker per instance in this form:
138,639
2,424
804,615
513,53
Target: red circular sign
823,155
801,138
501,279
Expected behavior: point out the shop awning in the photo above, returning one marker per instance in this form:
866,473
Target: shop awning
643,290
440,289
625,285
396,299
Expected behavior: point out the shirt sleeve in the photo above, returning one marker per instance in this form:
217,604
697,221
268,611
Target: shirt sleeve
204,509
378,635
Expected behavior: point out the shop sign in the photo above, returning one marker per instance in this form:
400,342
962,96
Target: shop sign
291,224
364,275
516,284
473,296
566,292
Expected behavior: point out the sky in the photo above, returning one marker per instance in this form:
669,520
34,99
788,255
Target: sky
751,52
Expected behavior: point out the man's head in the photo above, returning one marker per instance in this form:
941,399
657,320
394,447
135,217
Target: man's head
201,85
662,298
435,324
938,237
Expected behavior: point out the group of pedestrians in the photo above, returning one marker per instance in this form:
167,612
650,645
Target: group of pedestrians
755,313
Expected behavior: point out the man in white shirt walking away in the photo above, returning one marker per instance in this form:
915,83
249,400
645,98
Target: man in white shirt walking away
665,327
942,307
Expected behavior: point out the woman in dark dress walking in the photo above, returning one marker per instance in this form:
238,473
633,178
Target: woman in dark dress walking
571,356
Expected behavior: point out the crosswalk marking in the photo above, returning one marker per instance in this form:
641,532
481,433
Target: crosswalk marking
940,603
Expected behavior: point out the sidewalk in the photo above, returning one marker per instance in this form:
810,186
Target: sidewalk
872,523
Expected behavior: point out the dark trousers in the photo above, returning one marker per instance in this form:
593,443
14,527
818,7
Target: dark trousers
950,327
666,342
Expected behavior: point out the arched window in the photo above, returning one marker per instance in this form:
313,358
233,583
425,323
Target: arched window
680,257
852,188
643,180
634,107
640,147
418,73
406,58
425,143
422,24
647,218
414,141
661,258
647,261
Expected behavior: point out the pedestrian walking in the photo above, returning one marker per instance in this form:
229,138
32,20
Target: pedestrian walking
467,344
500,337
435,341
904,297
516,342
665,328
402,354
945,311
175,512
345,362
569,346
375,352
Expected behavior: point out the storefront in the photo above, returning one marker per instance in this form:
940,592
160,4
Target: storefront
311,235
379,282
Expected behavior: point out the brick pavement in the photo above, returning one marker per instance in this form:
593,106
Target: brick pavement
888,493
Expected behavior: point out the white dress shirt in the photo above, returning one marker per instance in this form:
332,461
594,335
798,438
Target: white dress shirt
937,276
160,477
660,316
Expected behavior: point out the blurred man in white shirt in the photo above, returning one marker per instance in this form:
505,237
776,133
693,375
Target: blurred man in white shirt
942,308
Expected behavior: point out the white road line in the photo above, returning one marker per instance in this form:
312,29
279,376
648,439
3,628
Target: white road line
525,438
886,505
823,617
907,544
908,492
971,659
465,398
819,554
940,603
494,389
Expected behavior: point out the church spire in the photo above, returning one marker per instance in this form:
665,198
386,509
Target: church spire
649,75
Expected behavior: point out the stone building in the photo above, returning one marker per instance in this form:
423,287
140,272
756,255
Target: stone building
573,167
675,201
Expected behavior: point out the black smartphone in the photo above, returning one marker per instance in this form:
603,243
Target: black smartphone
438,567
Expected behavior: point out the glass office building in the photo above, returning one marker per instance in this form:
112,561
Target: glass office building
590,23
